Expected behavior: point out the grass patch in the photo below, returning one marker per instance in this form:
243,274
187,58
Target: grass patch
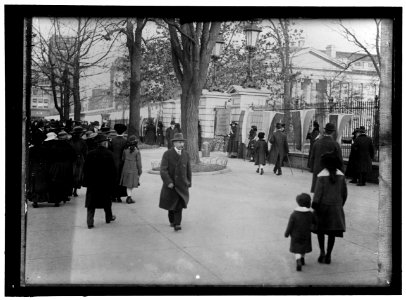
201,168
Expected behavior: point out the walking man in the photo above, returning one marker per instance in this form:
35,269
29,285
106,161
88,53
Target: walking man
100,180
170,132
364,153
176,174
324,144
279,148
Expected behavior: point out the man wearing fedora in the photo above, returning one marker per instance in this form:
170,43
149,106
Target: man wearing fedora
176,174
324,144
279,148
100,180
170,132
117,146
364,153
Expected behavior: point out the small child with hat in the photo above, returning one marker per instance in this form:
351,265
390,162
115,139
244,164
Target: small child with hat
299,229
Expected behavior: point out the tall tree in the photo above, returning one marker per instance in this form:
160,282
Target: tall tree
192,44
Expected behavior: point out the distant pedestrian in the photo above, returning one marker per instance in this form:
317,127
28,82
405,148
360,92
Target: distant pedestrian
170,131
80,147
232,147
160,134
279,148
364,153
150,132
260,152
132,168
329,198
324,144
251,143
100,180
117,145
299,229
176,174
350,169
312,136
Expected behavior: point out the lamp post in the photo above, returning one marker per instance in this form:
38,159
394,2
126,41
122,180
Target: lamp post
251,35
217,50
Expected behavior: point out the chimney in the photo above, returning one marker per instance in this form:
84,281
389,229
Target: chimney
331,51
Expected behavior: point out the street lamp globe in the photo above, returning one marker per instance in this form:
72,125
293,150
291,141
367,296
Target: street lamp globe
218,48
251,35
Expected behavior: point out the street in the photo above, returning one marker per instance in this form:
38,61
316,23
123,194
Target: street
232,234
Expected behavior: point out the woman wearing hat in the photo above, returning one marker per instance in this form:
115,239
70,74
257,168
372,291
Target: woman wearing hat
132,168
81,152
232,147
261,152
61,158
176,174
328,202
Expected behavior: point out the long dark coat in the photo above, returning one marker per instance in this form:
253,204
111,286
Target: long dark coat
312,137
279,146
117,147
299,229
160,136
364,153
99,177
61,157
324,144
177,169
132,169
261,152
150,136
38,174
169,136
80,147
232,147
328,202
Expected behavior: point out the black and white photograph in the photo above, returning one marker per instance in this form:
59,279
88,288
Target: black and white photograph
202,150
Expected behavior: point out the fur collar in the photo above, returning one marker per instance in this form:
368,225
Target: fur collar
325,172
302,209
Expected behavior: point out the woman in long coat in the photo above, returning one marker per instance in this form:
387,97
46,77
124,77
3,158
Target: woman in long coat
364,153
81,152
261,152
232,147
61,158
328,202
132,168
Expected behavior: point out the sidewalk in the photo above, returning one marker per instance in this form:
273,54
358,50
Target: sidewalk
232,234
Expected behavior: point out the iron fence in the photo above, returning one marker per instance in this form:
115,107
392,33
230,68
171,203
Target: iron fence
363,113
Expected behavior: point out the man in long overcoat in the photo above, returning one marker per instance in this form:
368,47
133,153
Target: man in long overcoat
169,133
176,174
279,148
364,153
324,144
117,146
100,180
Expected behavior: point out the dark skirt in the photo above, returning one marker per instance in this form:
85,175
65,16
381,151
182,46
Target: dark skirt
330,220
78,172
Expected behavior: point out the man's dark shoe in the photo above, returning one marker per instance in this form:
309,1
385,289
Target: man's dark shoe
129,200
327,259
90,226
258,170
111,219
177,227
35,205
262,171
279,173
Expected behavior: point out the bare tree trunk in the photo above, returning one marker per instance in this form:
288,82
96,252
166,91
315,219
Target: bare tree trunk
76,93
189,117
385,157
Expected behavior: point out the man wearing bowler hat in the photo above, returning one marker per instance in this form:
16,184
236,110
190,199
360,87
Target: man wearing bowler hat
324,144
100,179
176,174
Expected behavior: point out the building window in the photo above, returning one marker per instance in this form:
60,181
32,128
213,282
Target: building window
34,102
40,103
46,103
358,64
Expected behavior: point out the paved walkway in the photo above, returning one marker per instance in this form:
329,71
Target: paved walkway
232,234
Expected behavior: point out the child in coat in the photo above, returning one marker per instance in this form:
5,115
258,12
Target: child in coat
298,229
260,152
